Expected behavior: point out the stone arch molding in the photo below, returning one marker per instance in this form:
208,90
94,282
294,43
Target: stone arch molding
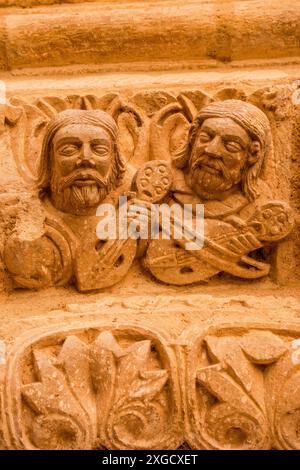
232,385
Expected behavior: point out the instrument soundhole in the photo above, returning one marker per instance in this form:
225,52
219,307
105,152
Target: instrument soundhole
99,244
119,261
186,270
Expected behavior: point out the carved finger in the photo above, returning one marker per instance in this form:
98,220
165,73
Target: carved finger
245,242
236,246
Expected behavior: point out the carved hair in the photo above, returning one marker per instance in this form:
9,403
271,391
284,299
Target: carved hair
75,116
248,116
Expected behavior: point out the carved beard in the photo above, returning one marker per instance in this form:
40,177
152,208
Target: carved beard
83,197
70,197
211,179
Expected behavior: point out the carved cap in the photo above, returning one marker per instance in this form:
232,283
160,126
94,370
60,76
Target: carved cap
248,116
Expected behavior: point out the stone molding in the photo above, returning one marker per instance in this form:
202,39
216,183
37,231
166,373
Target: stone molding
219,32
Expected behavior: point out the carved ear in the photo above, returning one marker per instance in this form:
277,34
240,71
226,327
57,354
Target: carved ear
254,152
132,134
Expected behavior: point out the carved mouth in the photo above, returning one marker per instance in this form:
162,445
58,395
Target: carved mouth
210,169
84,181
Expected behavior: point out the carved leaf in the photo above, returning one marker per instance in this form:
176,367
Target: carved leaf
109,360
176,132
133,361
152,101
282,381
134,406
61,421
199,98
26,138
103,365
262,347
51,393
95,102
230,94
222,386
12,114
129,135
235,421
74,358
227,351
51,105
188,107
149,384
75,101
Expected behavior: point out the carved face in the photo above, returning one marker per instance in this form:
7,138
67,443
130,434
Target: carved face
82,157
218,158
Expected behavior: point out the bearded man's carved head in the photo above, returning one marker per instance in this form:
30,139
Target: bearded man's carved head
80,160
227,145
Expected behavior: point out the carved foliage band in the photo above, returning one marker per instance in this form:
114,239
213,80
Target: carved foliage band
223,387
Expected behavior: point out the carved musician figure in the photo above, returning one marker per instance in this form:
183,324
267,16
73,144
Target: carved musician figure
220,166
80,168
228,145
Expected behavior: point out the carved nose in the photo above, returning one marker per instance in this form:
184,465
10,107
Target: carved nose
86,158
214,147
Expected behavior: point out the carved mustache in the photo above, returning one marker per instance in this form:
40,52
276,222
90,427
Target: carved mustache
215,163
80,175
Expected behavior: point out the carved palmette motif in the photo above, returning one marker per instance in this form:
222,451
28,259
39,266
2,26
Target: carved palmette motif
227,386
115,391
240,389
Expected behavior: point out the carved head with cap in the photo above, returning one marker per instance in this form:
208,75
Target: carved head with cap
228,144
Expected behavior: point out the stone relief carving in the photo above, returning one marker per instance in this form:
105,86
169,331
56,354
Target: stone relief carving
215,151
207,355
220,167
226,386
80,167
243,389
117,391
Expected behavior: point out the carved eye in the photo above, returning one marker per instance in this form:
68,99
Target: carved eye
204,137
100,150
68,149
232,146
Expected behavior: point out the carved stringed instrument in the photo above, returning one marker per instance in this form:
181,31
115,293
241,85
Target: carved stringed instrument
103,263
225,246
